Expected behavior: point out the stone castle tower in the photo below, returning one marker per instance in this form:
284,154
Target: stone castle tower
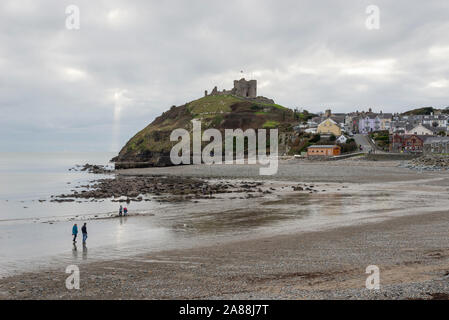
242,88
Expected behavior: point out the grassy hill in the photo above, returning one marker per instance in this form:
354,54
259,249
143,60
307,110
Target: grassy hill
426,111
151,146
419,111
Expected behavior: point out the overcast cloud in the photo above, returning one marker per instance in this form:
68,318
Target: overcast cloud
91,89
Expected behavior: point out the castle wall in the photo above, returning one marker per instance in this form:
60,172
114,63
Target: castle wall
252,90
242,88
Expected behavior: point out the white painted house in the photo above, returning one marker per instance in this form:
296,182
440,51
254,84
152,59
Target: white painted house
420,130
342,139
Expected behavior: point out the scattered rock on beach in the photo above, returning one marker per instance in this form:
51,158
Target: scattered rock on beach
125,188
92,168
428,163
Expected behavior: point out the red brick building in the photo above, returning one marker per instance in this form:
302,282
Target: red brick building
407,143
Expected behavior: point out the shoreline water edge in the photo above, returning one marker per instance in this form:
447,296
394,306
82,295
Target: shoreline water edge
303,198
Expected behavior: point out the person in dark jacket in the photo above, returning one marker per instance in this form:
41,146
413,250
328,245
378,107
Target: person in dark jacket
84,231
74,232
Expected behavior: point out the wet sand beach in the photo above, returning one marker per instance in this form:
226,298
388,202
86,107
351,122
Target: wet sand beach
375,214
411,252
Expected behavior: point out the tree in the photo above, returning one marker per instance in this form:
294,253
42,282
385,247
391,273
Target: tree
315,138
348,147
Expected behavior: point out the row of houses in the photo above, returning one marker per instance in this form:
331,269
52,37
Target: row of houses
367,122
408,133
430,124
351,123
339,123
399,144
395,123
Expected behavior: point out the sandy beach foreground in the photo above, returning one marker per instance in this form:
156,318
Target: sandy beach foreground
411,251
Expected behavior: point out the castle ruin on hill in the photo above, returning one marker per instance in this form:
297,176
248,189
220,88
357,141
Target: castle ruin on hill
242,88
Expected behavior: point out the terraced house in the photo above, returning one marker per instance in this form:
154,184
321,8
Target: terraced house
438,145
369,123
385,120
408,124
435,120
352,122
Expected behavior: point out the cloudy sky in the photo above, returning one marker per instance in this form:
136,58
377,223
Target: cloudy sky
92,88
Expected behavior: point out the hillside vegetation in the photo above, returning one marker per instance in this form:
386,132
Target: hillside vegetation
420,111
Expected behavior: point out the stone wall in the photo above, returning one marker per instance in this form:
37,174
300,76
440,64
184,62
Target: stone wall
391,156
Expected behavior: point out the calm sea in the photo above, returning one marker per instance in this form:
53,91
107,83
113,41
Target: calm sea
35,232
27,178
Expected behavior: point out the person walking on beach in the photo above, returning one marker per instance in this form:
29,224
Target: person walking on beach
84,231
74,232
120,211
125,211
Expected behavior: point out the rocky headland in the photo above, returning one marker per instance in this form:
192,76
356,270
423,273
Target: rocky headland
238,108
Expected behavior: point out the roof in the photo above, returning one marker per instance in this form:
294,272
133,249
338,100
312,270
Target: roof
338,118
419,136
412,126
423,138
435,129
437,140
385,115
324,146
329,120
399,123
